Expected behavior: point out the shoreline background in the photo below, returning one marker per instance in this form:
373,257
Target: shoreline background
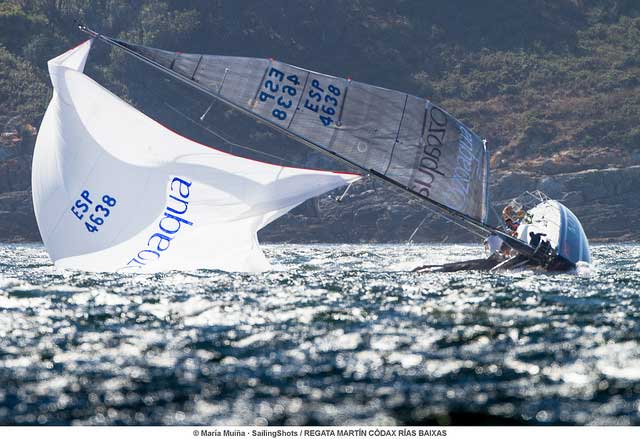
555,88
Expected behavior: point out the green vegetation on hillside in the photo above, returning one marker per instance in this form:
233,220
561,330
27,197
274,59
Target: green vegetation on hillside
552,83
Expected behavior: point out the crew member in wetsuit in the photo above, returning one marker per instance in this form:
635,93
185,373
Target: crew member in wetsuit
511,219
493,243
534,238
512,226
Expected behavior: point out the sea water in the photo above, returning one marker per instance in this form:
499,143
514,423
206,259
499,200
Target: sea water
341,334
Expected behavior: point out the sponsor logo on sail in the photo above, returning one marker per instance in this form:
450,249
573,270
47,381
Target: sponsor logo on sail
463,172
437,157
169,225
428,167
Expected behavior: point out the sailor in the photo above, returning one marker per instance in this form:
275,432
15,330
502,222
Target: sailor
505,250
507,212
498,252
512,226
534,238
511,219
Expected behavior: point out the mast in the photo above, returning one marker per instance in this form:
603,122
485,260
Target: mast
459,218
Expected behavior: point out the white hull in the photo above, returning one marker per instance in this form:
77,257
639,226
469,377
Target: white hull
562,229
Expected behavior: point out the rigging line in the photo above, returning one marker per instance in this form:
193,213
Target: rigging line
448,220
462,219
416,230
229,142
436,210
344,194
455,216
206,112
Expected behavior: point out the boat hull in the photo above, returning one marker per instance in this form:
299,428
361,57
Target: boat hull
561,228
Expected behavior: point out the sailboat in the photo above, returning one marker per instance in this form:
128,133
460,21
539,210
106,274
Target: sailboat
114,190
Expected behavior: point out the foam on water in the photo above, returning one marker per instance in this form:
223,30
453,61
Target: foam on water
341,334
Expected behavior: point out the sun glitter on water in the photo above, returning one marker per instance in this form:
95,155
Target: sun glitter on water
342,334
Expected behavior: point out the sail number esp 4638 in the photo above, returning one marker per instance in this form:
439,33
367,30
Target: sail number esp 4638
95,213
319,99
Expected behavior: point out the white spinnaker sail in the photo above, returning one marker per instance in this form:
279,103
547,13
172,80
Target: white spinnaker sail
114,190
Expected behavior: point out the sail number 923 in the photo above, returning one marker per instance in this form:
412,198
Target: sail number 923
93,213
281,91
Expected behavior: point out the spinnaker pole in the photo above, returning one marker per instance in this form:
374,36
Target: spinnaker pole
459,218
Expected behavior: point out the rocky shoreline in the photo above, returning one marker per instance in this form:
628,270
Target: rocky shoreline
603,199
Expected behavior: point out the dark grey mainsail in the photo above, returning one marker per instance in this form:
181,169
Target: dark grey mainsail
407,139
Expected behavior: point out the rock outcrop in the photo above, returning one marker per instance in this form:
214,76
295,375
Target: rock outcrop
17,220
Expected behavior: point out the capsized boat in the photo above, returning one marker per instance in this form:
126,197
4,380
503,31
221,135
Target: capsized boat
548,226
114,190
551,226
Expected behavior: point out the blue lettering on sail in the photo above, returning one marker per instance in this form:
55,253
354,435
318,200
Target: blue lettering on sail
169,225
319,99
467,165
429,166
444,172
96,213
279,91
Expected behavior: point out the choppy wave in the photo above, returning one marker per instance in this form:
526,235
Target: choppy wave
341,334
